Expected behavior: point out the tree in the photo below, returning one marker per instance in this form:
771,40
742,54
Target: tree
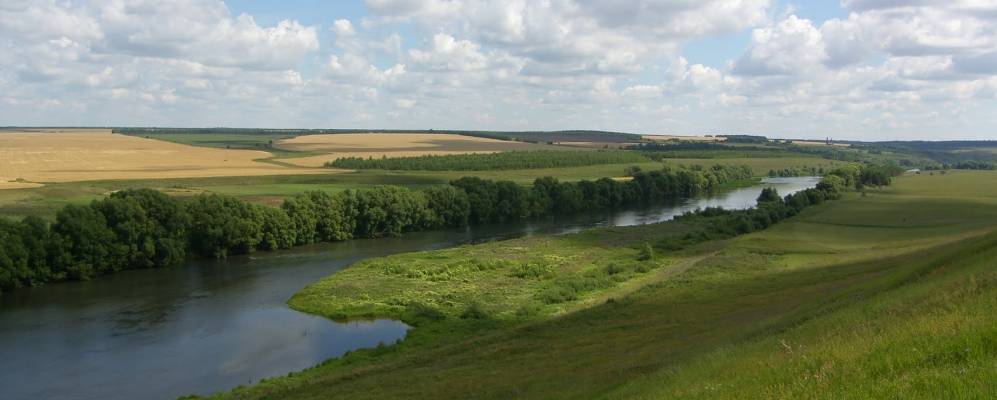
450,206
768,194
277,228
82,243
223,225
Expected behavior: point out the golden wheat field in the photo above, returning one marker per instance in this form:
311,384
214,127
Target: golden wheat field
393,145
32,156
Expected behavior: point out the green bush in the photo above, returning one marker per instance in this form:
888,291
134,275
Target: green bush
613,269
474,311
556,294
539,270
645,252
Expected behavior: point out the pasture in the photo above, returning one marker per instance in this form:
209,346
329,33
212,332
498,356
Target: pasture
377,145
889,293
71,155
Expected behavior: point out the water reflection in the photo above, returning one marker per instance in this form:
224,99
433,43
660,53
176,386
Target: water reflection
213,325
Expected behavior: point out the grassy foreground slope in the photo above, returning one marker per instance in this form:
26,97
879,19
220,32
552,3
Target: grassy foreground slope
885,295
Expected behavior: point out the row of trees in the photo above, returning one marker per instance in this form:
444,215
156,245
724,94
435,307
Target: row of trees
810,170
972,164
144,228
492,161
716,223
858,176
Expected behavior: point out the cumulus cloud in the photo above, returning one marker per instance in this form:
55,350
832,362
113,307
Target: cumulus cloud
792,46
446,53
580,36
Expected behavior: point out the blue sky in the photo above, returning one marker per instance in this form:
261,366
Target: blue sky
856,69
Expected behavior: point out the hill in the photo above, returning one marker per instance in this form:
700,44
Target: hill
889,293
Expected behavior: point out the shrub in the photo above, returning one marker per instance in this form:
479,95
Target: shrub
645,252
556,294
417,312
474,311
613,269
539,270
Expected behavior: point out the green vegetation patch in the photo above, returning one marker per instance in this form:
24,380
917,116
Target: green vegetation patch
499,277
492,161
823,303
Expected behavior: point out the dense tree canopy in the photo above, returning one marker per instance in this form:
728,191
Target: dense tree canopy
493,161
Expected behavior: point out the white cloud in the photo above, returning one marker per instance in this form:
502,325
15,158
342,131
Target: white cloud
791,46
889,68
446,53
343,27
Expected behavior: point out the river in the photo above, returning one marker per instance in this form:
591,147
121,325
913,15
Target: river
213,325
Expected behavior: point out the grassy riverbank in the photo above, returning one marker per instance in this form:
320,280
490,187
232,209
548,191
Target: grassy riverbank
889,292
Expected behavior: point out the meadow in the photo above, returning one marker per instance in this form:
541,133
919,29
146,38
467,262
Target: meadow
888,292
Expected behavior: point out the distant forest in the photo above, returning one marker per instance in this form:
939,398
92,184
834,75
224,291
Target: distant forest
493,161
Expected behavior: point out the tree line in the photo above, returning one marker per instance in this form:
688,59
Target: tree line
144,228
972,164
797,171
715,223
492,161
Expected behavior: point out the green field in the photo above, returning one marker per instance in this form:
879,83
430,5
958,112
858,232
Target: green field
256,141
889,293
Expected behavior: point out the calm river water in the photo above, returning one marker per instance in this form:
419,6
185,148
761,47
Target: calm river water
213,325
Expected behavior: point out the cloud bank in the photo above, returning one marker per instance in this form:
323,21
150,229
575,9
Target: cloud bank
889,69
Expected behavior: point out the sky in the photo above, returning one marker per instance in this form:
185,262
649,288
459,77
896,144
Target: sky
849,69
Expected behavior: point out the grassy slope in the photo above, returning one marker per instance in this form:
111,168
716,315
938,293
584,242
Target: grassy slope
844,299
272,189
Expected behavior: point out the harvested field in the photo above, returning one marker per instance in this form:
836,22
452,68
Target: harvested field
394,145
31,156
665,138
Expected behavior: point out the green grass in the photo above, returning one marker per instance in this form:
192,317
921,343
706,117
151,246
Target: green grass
890,294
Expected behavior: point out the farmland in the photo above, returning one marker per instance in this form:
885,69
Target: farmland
272,189
75,167
84,155
365,145
842,293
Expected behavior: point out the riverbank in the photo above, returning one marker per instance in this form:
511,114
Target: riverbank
689,303
230,316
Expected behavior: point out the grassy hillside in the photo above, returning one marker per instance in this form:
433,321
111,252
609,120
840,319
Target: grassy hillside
890,293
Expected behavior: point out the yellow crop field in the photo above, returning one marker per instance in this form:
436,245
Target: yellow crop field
394,145
32,156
